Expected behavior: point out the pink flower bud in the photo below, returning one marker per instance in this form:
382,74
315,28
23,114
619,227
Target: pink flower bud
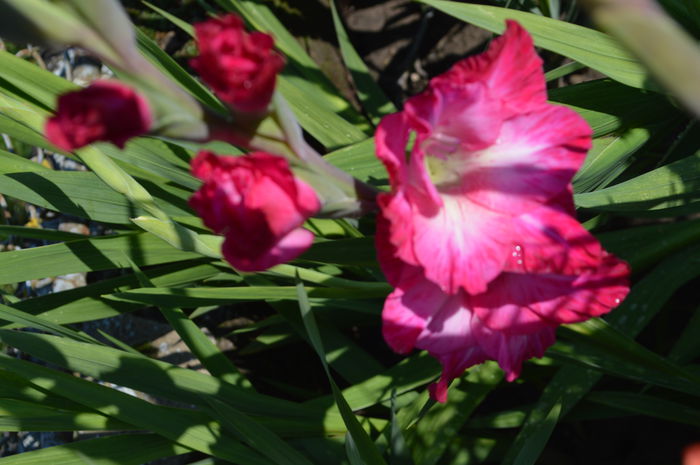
257,204
240,67
105,111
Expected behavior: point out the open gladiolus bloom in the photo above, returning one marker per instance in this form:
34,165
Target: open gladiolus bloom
478,234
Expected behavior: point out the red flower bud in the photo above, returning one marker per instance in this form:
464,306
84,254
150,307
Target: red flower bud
105,111
258,204
240,67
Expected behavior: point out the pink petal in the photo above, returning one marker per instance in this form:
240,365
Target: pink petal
390,139
288,248
455,118
549,239
454,364
105,111
258,204
510,67
400,326
418,314
534,160
396,269
511,350
240,67
460,246
523,303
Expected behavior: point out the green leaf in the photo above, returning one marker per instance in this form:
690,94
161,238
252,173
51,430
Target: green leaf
24,121
371,95
28,82
400,452
257,436
156,158
201,296
652,406
673,185
666,51
40,234
185,26
11,163
324,450
571,383
330,129
14,124
77,193
433,433
181,237
609,106
123,449
599,346
24,319
587,46
412,372
608,158
353,453
362,442
119,180
157,378
18,415
187,427
687,346
359,160
642,246
164,63
80,256
563,70
16,387
204,349
85,304
529,454
343,354
505,419
316,277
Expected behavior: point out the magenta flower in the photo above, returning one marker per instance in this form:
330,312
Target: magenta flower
105,111
257,204
240,67
478,233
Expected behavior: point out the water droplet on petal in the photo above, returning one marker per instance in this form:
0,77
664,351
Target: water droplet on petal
517,254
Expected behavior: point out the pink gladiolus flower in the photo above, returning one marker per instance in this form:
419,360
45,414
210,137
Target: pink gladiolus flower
240,67
257,204
478,234
105,111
